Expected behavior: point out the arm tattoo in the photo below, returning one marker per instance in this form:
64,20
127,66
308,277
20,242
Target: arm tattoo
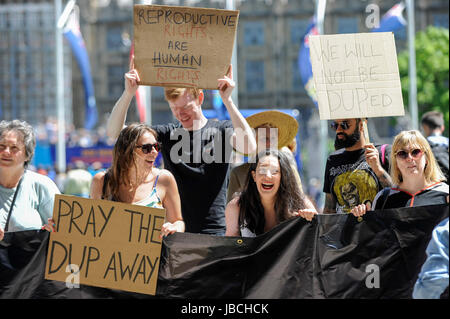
330,204
385,179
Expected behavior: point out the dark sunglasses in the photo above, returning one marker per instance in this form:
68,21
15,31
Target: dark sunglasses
344,125
147,148
415,153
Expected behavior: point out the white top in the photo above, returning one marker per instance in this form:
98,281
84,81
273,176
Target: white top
34,202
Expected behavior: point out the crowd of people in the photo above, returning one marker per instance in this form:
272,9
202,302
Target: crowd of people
196,188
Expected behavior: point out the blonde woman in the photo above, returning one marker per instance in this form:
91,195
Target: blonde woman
415,173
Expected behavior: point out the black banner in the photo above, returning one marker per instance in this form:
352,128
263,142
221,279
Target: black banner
334,256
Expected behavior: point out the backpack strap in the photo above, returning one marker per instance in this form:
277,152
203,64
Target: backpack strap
383,153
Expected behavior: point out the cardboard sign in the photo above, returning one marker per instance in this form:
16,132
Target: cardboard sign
183,46
356,75
109,244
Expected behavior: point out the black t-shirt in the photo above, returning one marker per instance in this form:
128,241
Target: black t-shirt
435,194
199,161
349,178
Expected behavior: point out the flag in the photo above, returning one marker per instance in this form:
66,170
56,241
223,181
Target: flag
304,61
393,19
73,35
141,95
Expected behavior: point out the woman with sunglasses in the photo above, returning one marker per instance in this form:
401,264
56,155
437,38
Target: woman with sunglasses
271,195
134,179
416,174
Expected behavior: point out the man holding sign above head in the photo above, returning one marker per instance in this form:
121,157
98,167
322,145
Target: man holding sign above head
186,50
196,150
355,76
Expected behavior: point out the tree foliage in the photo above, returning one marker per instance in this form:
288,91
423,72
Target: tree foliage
432,46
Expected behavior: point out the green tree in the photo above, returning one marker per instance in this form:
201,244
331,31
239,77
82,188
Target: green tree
432,46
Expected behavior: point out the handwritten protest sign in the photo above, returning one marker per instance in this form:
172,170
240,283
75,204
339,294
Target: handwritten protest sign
183,46
113,245
356,75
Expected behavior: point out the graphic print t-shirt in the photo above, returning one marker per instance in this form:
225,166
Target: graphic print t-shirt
349,178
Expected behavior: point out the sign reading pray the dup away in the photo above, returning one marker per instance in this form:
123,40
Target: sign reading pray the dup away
105,244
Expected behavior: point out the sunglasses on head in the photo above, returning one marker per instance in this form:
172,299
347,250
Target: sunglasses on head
147,148
415,153
344,125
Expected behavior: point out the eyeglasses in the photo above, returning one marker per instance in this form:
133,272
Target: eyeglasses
147,148
13,149
344,125
415,153
265,170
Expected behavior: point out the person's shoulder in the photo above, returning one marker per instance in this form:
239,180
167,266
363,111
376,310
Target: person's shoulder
165,177
41,181
164,173
220,123
100,175
165,128
336,154
243,168
441,187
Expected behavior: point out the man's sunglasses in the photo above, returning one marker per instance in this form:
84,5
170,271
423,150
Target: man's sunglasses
415,153
344,125
147,148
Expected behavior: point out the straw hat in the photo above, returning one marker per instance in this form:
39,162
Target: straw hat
286,124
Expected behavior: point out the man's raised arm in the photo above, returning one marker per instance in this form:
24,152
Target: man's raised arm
116,120
243,139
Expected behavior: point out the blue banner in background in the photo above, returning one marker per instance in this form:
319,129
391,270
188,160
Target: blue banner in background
73,35
304,61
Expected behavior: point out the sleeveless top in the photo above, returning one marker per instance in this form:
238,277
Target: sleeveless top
152,200
245,232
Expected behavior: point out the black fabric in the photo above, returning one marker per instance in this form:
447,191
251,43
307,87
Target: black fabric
434,195
350,180
444,295
440,152
326,258
202,184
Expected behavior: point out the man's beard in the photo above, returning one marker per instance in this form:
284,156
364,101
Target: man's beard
348,141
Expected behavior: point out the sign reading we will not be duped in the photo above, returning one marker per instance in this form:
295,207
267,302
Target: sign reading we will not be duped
183,46
356,75
114,245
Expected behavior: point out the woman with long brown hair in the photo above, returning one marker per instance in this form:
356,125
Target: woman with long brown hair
134,179
271,195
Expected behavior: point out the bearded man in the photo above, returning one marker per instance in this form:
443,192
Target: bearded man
354,159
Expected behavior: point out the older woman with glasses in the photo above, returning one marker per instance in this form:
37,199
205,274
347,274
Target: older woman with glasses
415,173
26,197
134,179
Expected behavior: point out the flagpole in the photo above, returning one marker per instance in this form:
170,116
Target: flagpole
231,5
61,145
323,135
147,89
412,66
